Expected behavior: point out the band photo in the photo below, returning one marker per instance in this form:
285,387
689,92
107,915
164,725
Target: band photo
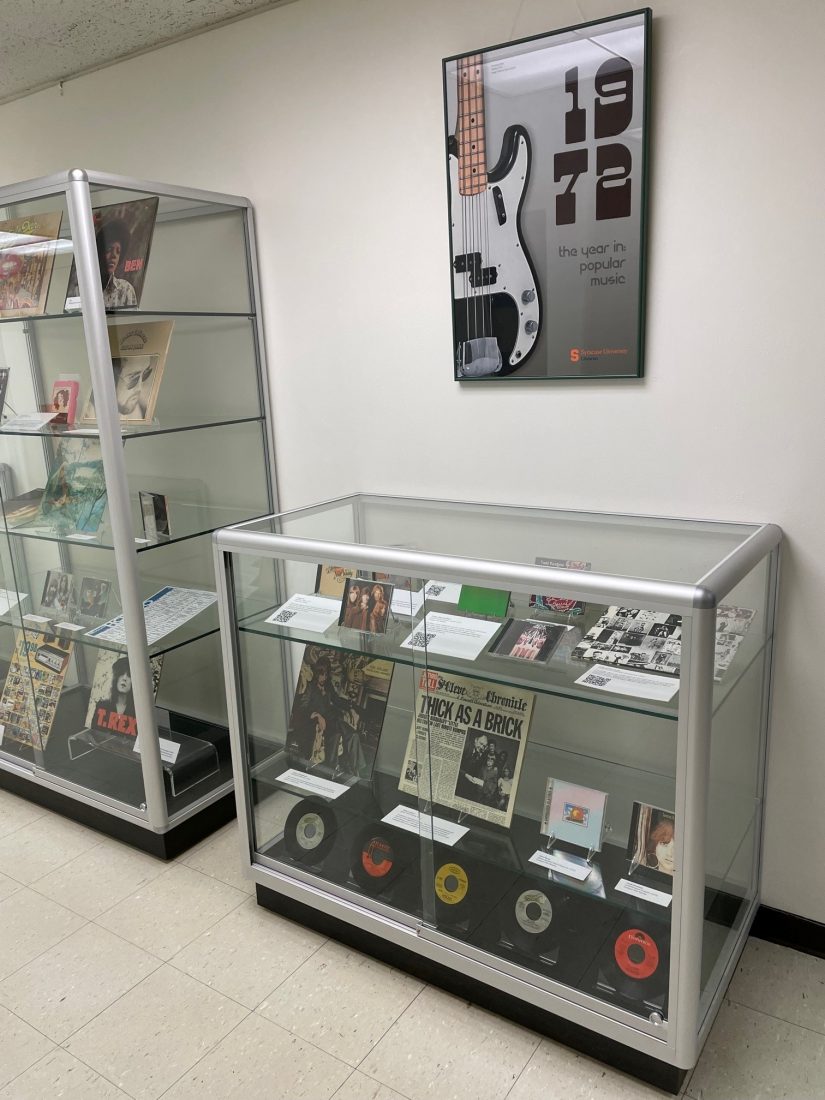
366,605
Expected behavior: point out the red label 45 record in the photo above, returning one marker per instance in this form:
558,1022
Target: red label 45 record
378,856
636,954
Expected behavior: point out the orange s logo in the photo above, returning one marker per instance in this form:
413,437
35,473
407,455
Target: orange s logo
575,355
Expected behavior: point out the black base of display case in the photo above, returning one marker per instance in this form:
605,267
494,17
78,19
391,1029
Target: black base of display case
643,1066
166,845
789,930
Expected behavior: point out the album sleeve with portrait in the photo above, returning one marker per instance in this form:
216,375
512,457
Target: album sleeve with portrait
138,359
650,847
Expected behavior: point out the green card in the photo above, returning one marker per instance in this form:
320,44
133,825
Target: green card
484,601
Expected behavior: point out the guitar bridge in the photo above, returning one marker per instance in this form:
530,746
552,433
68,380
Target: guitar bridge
479,357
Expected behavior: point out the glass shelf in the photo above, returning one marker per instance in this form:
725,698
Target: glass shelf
131,431
126,314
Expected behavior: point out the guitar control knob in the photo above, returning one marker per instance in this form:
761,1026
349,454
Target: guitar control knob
528,296
531,326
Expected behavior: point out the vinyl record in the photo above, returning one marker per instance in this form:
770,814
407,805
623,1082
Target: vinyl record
464,890
309,833
532,917
378,856
636,958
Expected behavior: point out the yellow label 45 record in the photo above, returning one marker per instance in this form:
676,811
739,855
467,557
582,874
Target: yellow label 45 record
309,832
451,883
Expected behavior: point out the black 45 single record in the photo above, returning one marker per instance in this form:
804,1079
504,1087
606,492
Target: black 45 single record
636,958
533,916
310,831
378,855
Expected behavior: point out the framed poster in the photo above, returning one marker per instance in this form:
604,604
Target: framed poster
546,174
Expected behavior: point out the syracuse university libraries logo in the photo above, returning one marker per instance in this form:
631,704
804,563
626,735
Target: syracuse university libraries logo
585,355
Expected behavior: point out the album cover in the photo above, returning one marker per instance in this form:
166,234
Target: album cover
58,593
65,392
4,385
22,509
559,604
75,494
138,358
154,508
651,842
33,684
528,640
331,579
466,745
94,596
365,605
111,702
574,814
27,251
338,712
123,235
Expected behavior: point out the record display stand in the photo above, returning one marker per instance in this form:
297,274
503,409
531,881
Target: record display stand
125,443
553,809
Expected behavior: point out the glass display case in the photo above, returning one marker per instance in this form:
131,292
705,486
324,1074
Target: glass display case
133,423
518,751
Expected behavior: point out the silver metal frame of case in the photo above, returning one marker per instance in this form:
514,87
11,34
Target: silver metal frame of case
77,185
676,1041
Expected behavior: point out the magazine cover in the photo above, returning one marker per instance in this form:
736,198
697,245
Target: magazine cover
466,745
338,712
75,494
559,604
111,703
33,685
138,358
651,843
123,235
27,251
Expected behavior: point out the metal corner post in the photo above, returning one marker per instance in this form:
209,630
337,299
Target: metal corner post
117,488
692,772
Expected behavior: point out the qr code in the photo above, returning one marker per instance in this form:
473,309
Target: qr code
596,681
283,617
420,639
435,589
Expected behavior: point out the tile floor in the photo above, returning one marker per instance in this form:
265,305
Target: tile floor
121,976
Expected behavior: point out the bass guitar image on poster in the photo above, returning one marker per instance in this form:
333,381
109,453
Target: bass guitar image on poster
497,312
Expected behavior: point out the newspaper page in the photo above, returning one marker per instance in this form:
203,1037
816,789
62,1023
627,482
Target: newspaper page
477,733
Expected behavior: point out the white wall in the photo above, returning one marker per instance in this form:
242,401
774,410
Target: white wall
328,114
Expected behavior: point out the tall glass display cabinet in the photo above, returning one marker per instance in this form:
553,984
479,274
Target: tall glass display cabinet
134,422
518,751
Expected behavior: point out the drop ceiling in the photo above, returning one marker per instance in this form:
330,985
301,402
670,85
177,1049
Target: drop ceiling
43,42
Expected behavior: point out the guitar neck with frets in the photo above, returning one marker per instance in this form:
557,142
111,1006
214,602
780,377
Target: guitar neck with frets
472,152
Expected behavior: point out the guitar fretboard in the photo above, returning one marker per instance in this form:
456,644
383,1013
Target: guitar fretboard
472,154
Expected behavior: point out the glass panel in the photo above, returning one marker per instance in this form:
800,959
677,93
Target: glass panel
198,258
326,729
635,546
734,807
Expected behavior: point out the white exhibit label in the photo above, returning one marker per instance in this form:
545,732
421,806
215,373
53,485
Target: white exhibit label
313,784
406,603
556,861
168,749
437,828
445,591
36,619
646,893
451,635
624,681
315,613
69,626
82,536
10,599
28,422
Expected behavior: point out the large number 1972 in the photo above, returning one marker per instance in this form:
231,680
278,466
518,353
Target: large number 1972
612,112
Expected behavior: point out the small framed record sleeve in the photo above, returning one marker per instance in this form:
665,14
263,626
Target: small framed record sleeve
574,814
